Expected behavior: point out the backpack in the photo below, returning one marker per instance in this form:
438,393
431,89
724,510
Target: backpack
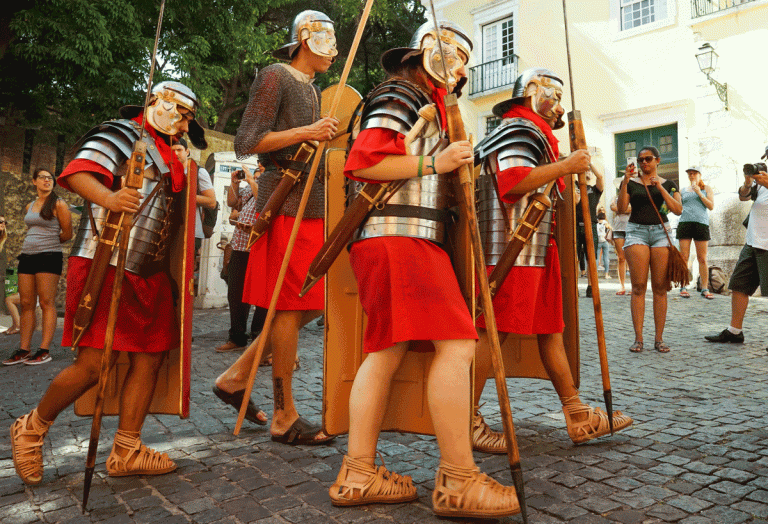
718,281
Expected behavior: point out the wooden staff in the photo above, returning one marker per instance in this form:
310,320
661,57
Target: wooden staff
134,179
466,197
261,341
578,141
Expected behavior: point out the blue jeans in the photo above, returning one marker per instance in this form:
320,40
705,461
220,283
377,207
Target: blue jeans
603,253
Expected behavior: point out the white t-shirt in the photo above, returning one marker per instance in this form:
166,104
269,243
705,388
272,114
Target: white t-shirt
203,184
757,229
601,231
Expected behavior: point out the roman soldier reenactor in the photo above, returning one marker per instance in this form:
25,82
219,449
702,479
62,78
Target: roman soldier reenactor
147,329
407,285
282,123
518,158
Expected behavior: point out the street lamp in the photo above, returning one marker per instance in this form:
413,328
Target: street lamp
707,59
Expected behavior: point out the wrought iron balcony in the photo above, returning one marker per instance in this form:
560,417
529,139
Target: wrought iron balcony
493,75
701,8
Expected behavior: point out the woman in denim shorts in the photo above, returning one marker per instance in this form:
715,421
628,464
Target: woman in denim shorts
646,241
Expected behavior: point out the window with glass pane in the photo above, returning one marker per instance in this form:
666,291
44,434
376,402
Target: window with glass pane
642,12
665,144
491,123
498,52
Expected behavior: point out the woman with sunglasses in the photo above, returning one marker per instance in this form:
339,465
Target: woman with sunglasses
49,224
697,200
646,240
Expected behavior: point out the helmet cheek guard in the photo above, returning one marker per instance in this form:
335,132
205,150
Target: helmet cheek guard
321,42
433,58
164,116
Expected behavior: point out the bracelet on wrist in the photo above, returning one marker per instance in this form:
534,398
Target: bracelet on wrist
419,173
434,169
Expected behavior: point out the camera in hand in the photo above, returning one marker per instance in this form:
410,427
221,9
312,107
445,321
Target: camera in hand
753,169
240,174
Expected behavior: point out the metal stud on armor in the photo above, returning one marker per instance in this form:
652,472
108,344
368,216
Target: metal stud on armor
517,142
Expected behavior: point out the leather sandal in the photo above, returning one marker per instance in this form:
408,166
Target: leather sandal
478,495
637,347
381,486
594,425
145,461
484,439
27,434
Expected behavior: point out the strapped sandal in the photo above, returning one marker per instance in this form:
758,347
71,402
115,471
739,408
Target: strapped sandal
382,486
27,435
484,439
479,496
660,346
146,461
637,347
706,294
594,425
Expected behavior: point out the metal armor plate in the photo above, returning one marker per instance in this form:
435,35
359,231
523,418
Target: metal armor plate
416,210
515,143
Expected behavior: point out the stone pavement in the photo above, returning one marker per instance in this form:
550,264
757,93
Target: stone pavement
695,455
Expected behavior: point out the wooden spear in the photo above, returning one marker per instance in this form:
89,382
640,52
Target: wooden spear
261,341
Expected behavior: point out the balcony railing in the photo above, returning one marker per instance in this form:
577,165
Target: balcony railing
701,8
493,75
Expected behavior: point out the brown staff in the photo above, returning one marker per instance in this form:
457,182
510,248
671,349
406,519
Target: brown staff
262,339
134,179
466,198
579,141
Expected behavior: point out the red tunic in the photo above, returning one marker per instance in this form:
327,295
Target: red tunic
266,258
147,321
530,301
407,286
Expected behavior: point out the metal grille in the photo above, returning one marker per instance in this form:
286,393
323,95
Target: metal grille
494,74
491,123
707,7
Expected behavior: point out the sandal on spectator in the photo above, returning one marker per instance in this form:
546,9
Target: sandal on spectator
706,294
594,425
381,486
27,435
484,439
469,493
660,346
145,461
622,292
637,347
684,293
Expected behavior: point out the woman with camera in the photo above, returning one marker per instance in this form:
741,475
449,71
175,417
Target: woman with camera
697,199
646,240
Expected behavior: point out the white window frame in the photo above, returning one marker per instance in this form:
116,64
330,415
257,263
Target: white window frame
619,34
488,14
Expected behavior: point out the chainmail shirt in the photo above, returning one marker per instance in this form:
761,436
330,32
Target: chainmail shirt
281,98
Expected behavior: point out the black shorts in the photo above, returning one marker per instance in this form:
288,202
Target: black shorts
48,262
692,231
750,272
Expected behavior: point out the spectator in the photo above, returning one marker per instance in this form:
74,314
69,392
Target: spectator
603,253
11,301
751,269
243,200
49,224
619,232
694,225
646,241
595,186
206,197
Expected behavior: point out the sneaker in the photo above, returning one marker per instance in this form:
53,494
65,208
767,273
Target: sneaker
41,357
726,336
19,357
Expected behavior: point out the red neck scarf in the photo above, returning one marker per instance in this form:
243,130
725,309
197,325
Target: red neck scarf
524,112
178,181
438,96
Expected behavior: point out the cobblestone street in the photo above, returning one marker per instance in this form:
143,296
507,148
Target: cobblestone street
696,454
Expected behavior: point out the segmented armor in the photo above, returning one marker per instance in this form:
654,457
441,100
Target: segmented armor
110,145
517,142
419,208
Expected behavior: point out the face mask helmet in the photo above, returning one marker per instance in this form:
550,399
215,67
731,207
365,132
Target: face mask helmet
455,42
314,27
544,88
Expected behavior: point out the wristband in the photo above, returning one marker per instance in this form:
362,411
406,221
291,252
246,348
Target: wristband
421,165
434,169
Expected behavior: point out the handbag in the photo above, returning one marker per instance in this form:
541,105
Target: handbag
677,267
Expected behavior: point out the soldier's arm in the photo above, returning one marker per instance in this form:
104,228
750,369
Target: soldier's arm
323,129
576,162
401,167
88,186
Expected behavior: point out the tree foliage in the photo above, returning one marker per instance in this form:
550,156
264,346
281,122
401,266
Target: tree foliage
67,64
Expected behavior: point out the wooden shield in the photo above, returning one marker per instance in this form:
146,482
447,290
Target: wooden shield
173,382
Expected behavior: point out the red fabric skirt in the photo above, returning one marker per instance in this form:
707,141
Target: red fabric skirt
530,301
146,321
267,256
409,291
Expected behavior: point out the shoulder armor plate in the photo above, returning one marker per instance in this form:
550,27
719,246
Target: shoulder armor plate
111,143
394,105
518,134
